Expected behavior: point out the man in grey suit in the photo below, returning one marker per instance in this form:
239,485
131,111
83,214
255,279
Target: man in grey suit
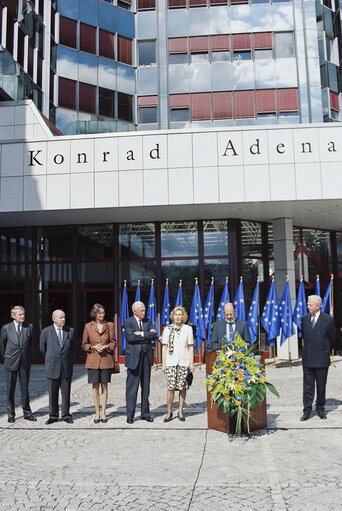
16,348
228,327
56,343
139,333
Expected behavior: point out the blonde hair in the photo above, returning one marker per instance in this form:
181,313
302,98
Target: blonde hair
184,313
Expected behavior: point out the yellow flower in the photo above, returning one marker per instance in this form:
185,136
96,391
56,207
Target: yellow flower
238,403
262,379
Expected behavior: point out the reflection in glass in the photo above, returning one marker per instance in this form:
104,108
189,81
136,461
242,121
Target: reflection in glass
200,77
106,16
179,239
87,68
136,240
95,241
199,57
220,55
126,78
265,74
241,19
219,20
179,78
198,21
284,45
95,274
178,58
242,55
54,243
147,53
286,73
283,17
215,237
15,277
49,302
132,271
67,62
54,276
177,21
147,115
263,54
88,12
179,114
217,268
221,76
185,269
16,246
243,74
147,80
106,73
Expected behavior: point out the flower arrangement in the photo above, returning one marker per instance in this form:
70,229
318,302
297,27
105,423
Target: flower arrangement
238,380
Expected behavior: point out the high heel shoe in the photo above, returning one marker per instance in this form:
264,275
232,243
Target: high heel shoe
182,419
96,421
168,419
104,420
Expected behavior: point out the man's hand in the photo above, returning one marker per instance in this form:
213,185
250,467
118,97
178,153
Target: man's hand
139,332
153,330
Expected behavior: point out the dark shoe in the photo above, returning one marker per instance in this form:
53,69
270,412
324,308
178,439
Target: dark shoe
321,415
147,418
96,421
168,419
104,421
68,420
51,421
305,417
30,418
130,420
10,420
182,419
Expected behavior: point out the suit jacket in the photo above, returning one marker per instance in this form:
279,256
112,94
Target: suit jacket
16,349
318,341
220,331
57,358
134,342
92,336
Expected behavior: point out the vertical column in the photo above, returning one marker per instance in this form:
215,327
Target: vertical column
283,268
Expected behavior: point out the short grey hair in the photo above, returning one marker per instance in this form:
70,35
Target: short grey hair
315,298
137,305
16,309
55,312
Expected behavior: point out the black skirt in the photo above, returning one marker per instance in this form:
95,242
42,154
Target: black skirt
99,375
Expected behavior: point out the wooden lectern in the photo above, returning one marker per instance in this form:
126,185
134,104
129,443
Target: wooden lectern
218,419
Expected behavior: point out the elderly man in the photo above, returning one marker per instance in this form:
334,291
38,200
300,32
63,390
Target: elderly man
16,348
139,334
319,337
56,343
228,328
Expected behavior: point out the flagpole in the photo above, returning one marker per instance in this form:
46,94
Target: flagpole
288,340
259,340
275,343
199,355
332,313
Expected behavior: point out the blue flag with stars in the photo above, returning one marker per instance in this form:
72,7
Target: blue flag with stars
270,318
196,316
239,303
286,322
209,311
327,302
152,309
300,307
179,299
123,315
253,315
224,299
137,293
165,316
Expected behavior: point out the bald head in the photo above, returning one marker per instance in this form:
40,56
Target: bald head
229,312
58,318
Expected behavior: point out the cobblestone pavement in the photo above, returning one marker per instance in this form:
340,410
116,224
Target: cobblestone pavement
291,465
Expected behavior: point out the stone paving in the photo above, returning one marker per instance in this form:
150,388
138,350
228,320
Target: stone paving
290,465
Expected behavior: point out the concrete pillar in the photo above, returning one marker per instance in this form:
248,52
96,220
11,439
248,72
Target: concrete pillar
283,268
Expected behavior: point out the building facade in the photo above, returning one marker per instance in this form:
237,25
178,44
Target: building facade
193,146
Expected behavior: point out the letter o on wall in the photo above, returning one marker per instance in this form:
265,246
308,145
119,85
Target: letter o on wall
58,159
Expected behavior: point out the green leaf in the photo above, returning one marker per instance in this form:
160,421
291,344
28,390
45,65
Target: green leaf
272,389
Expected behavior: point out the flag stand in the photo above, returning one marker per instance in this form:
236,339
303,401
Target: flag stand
332,310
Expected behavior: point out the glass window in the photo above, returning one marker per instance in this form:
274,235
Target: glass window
284,47
87,98
67,93
147,53
179,239
125,107
54,243
106,102
242,55
96,274
54,276
106,44
146,5
215,237
147,115
217,56
136,240
16,246
124,50
132,271
178,58
185,269
263,54
49,302
95,241
217,268
199,57
177,3
180,114
88,38
67,32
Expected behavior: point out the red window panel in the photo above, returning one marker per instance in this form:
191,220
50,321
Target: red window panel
87,95
287,100
263,40
146,4
177,3
223,105
201,108
220,42
67,32
241,41
334,102
244,103
106,44
67,93
200,43
179,100
88,38
178,45
239,1
217,2
195,3
124,50
148,101
266,101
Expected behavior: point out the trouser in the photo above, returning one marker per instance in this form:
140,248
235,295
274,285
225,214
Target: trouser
312,375
54,385
142,375
11,381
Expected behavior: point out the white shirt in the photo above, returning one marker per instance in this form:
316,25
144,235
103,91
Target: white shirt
181,343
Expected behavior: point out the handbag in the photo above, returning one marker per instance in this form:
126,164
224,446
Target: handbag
189,378
116,368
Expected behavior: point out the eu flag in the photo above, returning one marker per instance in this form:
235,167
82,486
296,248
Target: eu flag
137,293
165,316
287,328
318,287
152,308
224,299
270,319
239,302
300,307
196,316
253,315
179,299
209,309
327,302
123,314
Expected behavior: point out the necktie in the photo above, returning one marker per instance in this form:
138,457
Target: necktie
140,325
230,331
313,320
60,338
19,328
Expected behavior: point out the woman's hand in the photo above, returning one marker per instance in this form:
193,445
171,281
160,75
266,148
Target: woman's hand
163,368
192,368
99,348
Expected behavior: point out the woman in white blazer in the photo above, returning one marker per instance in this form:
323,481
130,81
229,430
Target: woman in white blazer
177,357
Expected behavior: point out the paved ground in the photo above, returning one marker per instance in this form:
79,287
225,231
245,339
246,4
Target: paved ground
176,466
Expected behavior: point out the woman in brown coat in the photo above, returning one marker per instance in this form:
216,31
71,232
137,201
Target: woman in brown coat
99,343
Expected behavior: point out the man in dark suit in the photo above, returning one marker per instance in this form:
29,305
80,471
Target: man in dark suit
16,348
56,343
139,334
319,337
228,327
